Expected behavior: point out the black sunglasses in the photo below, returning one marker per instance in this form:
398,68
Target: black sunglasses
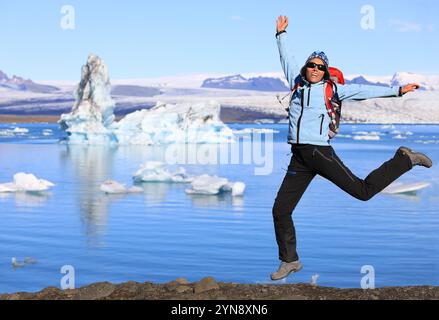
312,65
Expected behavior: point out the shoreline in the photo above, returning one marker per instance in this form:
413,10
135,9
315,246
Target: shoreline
209,289
53,119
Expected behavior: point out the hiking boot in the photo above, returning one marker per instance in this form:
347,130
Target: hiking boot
417,158
285,269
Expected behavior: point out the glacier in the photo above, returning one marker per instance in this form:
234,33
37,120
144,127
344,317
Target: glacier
92,119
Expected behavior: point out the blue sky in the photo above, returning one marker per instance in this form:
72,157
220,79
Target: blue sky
139,39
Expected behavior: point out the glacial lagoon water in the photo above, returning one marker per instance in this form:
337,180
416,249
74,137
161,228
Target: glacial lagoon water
164,233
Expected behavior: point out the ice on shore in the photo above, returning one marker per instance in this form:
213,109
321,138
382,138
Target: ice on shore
25,183
213,185
114,187
91,120
154,171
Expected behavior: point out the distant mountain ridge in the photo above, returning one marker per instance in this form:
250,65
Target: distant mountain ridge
278,83
20,84
363,80
239,82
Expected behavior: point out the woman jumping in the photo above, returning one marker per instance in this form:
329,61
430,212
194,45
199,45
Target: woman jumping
309,123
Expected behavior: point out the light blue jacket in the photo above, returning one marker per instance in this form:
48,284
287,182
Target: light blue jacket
308,117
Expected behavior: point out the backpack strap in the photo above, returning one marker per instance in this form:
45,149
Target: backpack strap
297,85
329,94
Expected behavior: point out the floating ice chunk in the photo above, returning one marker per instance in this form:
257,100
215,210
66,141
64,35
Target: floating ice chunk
20,130
254,130
6,133
167,124
154,171
366,137
47,132
26,183
387,126
398,187
343,136
399,136
264,121
114,187
206,184
236,188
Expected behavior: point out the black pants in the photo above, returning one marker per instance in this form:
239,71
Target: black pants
309,160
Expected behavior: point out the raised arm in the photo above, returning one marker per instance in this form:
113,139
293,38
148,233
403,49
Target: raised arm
362,92
287,61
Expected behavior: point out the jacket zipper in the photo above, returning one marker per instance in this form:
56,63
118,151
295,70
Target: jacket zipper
301,114
309,95
321,123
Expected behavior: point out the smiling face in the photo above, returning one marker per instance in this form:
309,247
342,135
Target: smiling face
314,75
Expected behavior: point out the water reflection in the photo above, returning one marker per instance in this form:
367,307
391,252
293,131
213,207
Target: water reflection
222,200
92,166
28,199
155,192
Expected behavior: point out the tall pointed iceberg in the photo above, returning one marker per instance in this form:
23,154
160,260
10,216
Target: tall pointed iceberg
92,113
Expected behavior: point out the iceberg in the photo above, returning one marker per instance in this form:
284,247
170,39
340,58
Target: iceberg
114,187
154,171
91,120
168,123
92,113
25,183
400,188
371,137
213,185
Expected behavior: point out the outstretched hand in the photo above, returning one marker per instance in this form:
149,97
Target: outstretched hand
410,88
281,23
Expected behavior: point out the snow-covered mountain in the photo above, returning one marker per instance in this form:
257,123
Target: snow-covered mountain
363,80
20,84
236,104
241,83
427,82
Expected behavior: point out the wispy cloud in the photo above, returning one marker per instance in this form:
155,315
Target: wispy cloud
405,26
236,18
